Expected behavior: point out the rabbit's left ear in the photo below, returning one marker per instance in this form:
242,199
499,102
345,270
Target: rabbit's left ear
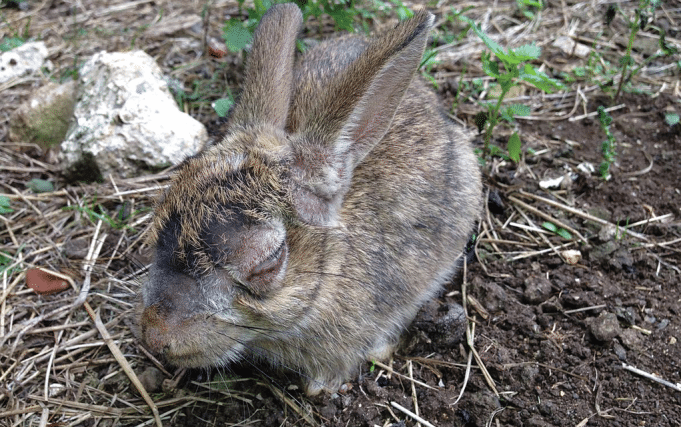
354,113
269,69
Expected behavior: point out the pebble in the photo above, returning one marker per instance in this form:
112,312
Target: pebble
151,379
630,339
537,289
605,327
620,352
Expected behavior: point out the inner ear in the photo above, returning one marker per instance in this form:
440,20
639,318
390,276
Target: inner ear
352,116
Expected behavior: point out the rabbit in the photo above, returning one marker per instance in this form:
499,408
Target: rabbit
337,203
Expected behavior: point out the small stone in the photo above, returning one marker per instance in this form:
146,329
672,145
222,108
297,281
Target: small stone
621,259
627,314
451,325
537,289
570,47
45,117
22,60
620,352
152,379
663,324
602,252
605,327
572,256
45,283
607,233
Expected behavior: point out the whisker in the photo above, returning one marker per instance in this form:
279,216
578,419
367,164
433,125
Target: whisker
257,353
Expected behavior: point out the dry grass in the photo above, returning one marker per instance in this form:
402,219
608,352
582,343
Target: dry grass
55,364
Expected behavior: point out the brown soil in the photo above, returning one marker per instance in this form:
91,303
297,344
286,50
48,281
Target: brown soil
553,336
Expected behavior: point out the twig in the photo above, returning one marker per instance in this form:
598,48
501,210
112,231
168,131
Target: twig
469,363
548,218
609,109
645,374
290,402
391,371
579,213
577,310
414,399
411,414
118,355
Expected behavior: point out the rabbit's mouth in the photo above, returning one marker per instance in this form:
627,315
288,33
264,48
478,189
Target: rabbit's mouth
195,342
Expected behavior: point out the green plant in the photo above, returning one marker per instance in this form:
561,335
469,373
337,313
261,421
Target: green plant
516,67
238,33
97,212
557,230
607,146
529,8
5,261
10,43
40,185
427,63
223,105
671,119
643,18
5,205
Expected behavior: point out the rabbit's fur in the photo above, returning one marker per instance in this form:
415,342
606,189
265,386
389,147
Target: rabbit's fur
335,206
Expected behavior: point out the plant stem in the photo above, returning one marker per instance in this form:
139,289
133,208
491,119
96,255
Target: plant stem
493,118
634,29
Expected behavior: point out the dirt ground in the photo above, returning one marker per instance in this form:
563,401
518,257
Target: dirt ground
555,338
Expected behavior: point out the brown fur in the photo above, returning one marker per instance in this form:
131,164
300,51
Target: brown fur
337,204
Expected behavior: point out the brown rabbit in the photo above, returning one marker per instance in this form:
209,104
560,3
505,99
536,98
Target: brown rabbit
335,206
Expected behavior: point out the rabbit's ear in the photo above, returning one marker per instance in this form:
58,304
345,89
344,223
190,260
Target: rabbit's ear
269,68
353,114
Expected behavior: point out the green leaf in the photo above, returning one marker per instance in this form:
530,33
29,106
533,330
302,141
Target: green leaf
671,118
222,106
10,43
525,53
539,80
520,110
506,115
496,49
343,18
513,147
550,226
4,205
564,233
236,36
40,186
558,230
489,66
429,58
403,12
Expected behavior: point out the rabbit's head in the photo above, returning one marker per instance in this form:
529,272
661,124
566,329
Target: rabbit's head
253,231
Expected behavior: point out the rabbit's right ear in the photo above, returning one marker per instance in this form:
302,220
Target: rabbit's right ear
269,68
352,115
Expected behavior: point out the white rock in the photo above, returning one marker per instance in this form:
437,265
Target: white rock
586,168
572,256
25,59
127,119
570,47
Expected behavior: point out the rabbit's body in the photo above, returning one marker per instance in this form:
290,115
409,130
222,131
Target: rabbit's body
312,234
